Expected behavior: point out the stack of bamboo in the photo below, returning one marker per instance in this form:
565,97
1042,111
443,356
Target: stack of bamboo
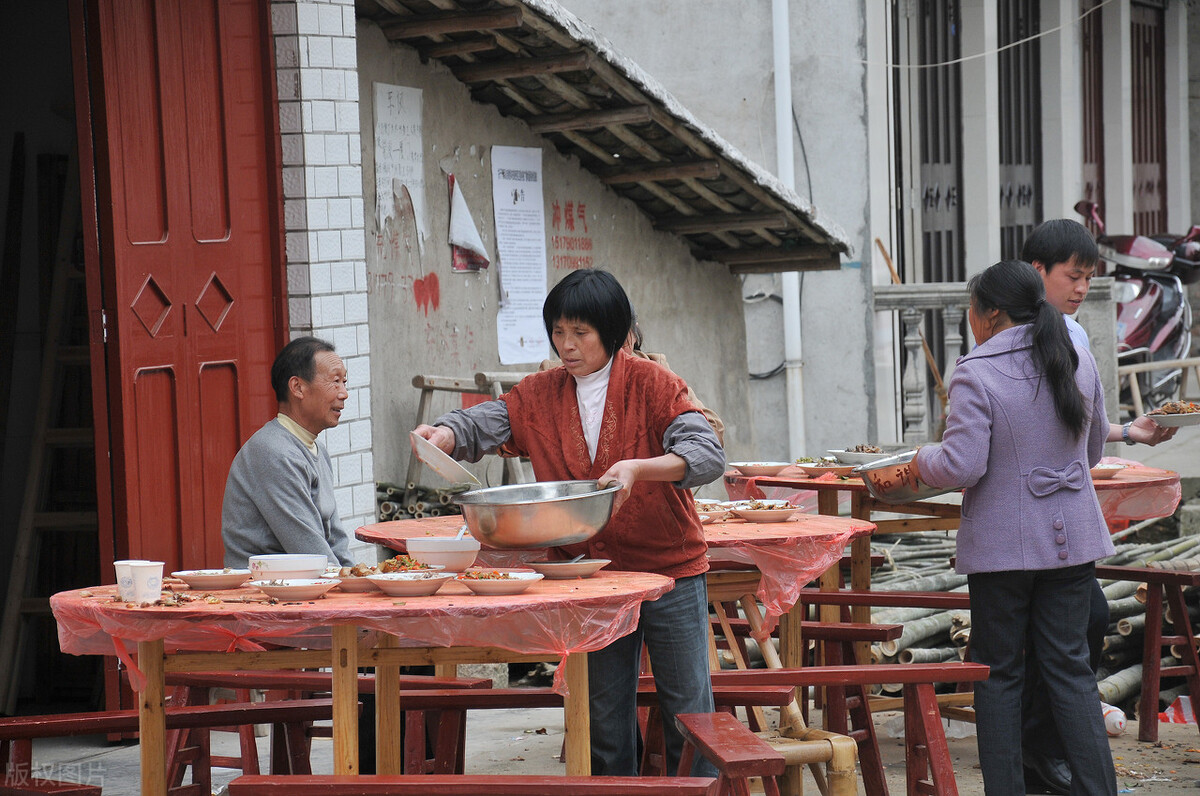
395,502
920,562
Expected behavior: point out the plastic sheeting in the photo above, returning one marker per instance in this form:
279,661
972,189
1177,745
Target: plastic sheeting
1135,493
552,617
788,554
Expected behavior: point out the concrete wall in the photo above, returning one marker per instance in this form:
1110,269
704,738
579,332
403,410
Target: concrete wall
688,310
719,65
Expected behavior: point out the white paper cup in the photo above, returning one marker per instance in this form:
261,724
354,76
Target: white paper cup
147,580
125,577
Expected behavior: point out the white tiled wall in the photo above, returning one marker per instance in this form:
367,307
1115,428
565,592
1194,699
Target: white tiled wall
316,62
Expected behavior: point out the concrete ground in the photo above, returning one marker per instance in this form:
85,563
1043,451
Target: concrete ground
528,742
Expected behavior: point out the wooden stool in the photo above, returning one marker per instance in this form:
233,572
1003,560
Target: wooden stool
1160,584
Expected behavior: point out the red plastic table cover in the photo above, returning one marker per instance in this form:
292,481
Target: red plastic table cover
788,554
1135,493
551,617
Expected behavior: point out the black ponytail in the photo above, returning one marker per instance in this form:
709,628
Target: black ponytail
1016,288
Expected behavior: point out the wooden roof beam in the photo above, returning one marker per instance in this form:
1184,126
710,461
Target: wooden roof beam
521,67
460,47
769,261
589,120
626,175
452,22
723,222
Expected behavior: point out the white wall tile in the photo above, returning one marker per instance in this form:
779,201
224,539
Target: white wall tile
337,439
329,245
318,214
364,500
295,213
347,117
333,84
325,181
323,116
345,53
310,84
353,245
296,248
299,311
330,20
307,20
314,149
287,52
292,149
289,118
293,182
320,52
297,279
319,279
350,469
288,84
342,277
337,153
283,18
364,338
356,307
349,180
339,218
333,311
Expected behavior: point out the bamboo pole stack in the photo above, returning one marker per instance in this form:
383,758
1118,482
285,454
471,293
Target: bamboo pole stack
413,501
920,562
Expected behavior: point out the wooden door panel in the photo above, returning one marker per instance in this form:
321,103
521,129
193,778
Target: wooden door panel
194,263
157,498
219,410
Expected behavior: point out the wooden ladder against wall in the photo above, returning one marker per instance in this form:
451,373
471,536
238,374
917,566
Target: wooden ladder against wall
43,521
482,384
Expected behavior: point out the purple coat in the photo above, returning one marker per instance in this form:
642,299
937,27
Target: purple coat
1028,502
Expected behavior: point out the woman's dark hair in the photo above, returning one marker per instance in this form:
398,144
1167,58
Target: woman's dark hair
594,297
1057,241
1015,287
296,359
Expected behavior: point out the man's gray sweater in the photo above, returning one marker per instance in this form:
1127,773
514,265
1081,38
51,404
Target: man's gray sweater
279,499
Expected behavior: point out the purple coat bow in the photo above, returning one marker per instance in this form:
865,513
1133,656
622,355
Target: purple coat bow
1043,481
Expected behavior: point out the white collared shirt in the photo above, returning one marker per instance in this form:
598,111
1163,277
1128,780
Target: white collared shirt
590,392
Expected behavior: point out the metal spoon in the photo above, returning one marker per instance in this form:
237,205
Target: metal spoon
461,533
577,558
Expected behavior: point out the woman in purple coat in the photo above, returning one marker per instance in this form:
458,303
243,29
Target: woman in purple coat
1026,423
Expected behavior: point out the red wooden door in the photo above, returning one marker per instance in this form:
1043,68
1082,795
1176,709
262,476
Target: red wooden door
190,258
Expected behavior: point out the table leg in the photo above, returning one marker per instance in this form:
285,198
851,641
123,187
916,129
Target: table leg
152,719
345,699
860,575
389,747
577,720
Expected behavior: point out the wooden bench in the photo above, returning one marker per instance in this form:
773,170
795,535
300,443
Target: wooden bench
187,740
738,754
470,785
1162,584
927,756
419,724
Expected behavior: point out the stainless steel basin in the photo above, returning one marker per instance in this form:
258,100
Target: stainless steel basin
545,514
892,480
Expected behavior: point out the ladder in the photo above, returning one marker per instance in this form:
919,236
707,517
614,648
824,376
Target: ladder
65,366
492,384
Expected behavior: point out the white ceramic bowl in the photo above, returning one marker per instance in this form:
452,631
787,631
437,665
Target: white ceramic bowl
410,584
759,468
295,588
359,583
854,457
765,515
453,554
567,570
818,470
287,566
515,583
213,579
1102,471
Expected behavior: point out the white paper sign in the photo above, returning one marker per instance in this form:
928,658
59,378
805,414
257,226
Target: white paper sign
399,153
521,249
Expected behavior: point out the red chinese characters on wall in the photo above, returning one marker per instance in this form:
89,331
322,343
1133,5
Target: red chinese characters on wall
570,242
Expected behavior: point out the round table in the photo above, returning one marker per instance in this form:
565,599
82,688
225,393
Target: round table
787,554
553,620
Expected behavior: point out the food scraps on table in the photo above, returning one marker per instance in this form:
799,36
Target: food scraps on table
865,449
359,570
758,505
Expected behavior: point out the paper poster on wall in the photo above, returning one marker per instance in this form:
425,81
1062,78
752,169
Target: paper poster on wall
521,249
399,154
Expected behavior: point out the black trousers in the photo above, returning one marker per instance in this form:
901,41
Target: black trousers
1039,730
1048,610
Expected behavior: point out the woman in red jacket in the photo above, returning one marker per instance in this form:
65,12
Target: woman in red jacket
616,418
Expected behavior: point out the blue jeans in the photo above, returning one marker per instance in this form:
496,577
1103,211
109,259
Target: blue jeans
675,630
1047,609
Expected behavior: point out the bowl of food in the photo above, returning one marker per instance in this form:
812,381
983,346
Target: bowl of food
353,579
287,566
498,581
545,514
414,583
295,588
754,469
892,480
566,570
213,579
1103,471
453,554
821,468
859,454
764,510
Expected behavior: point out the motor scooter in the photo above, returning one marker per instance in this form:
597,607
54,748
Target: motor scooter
1154,316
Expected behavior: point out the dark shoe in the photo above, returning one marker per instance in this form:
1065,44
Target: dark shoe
1053,772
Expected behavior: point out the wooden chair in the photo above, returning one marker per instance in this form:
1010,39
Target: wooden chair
470,785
